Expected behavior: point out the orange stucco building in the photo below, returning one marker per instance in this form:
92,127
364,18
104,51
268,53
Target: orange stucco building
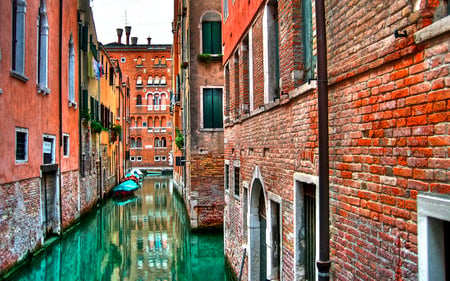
149,70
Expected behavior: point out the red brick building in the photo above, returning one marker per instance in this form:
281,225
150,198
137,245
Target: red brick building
388,100
149,70
197,28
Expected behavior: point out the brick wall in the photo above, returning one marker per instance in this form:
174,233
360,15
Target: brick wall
69,197
20,221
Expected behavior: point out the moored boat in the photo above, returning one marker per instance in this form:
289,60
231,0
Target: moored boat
125,188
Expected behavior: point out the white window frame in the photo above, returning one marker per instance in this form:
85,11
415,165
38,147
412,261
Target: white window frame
19,59
21,130
123,60
53,148
71,73
139,158
432,210
43,30
157,159
132,158
163,158
66,155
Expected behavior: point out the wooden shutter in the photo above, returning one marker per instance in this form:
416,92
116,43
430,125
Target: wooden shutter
208,108
206,33
217,109
216,36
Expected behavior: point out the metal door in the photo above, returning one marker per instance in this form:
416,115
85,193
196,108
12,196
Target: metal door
49,194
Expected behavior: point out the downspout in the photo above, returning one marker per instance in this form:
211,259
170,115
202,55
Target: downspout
80,101
60,110
323,264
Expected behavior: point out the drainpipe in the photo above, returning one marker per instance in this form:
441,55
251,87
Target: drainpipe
60,109
323,264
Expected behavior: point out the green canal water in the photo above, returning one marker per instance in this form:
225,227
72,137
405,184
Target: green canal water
143,237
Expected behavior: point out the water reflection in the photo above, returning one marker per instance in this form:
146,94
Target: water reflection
141,237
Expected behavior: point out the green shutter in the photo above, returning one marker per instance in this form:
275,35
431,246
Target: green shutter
206,32
217,108
307,40
216,35
207,108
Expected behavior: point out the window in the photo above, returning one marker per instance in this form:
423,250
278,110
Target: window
271,52
156,81
139,61
236,181
150,121
227,177
308,58
49,149
138,81
139,158
133,143
71,72
132,158
139,122
434,236
163,142
139,142
157,158
211,34
123,60
66,145
144,124
21,145
163,122
156,99
43,48
163,158
149,80
138,100
225,10
163,60
156,61
212,108
305,215
163,80
157,142
18,36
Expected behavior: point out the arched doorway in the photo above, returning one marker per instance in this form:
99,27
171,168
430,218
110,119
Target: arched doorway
257,232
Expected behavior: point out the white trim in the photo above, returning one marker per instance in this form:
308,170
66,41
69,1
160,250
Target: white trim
300,178
250,68
68,145
432,210
53,148
22,130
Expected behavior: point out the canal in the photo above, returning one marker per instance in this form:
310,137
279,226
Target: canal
142,237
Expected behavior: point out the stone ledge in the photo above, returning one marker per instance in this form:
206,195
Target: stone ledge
438,28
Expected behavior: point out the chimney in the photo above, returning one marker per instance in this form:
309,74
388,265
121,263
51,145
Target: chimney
134,40
149,40
128,31
119,35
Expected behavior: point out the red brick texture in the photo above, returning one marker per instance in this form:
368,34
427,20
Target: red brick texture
389,102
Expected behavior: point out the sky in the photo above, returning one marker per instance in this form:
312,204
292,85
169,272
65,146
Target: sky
147,18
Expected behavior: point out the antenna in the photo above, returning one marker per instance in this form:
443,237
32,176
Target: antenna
126,18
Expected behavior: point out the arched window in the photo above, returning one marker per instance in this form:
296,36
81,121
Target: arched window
149,99
157,143
163,80
149,80
150,122
139,80
156,81
138,100
139,122
163,99
19,8
163,60
163,142
43,46
211,33
133,122
156,99
157,122
133,143
139,61
71,70
163,122
156,61
139,142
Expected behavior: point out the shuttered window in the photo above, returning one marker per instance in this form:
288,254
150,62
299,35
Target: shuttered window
212,108
21,145
212,41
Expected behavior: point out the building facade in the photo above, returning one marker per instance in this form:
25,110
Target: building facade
149,70
197,30
388,135
45,181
